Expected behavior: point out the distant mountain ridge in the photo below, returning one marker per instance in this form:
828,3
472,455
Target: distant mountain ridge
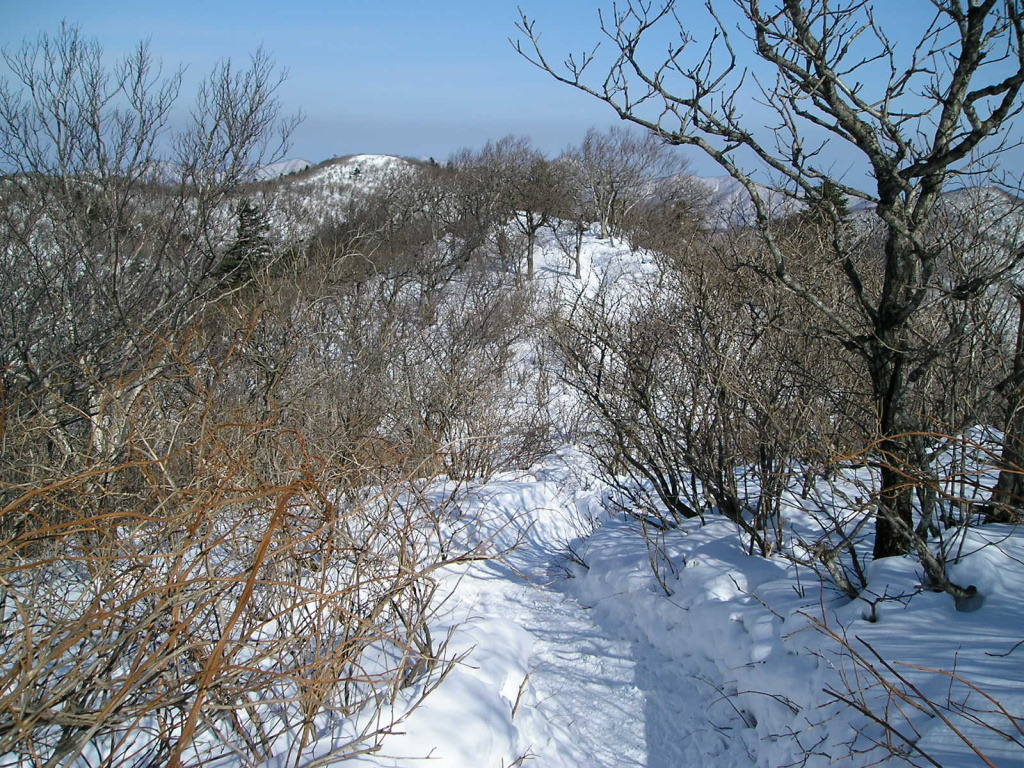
729,202
279,169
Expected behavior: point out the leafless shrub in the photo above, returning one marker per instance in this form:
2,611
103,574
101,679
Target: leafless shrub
112,227
209,594
918,140
899,700
703,395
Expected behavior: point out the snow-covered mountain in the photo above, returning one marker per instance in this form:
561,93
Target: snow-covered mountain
309,196
363,171
336,181
730,203
282,168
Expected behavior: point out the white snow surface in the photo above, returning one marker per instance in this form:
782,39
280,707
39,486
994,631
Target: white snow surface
356,173
724,659
542,681
283,168
601,665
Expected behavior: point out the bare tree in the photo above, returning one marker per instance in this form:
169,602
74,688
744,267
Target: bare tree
699,389
111,225
575,208
519,190
618,170
918,119
218,594
536,194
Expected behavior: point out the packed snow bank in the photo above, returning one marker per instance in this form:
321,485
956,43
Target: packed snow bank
538,682
680,649
770,642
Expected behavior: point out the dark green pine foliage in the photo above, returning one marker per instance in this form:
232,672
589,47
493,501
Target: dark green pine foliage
823,215
828,204
251,249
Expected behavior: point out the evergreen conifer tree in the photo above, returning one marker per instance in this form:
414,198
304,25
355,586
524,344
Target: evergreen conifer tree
251,248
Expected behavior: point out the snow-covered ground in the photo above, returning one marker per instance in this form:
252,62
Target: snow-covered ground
549,678
589,643
725,661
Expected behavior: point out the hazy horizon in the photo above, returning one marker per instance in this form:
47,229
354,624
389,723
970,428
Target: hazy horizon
411,78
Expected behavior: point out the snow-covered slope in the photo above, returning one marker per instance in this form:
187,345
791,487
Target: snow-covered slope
722,660
730,203
324,191
591,642
283,168
363,172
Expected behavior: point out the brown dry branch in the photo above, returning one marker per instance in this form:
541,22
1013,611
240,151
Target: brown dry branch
212,594
875,687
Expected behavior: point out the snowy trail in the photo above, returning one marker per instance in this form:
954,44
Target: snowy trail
677,735
662,712
583,684
578,685
726,671
625,703
572,691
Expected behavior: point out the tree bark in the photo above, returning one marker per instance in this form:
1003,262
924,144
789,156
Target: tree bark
1007,498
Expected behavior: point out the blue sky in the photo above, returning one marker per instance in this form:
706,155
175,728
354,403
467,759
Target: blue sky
410,77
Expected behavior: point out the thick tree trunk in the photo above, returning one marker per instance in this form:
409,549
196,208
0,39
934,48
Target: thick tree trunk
1007,498
887,359
531,243
894,522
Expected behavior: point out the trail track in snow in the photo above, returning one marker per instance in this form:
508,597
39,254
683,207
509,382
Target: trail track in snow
582,683
617,700
577,688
